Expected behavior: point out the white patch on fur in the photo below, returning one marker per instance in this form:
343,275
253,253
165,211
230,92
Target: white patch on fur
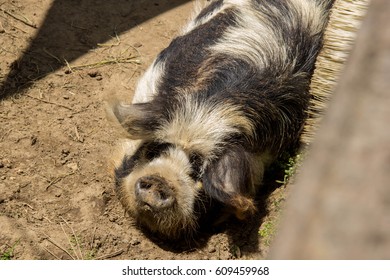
126,147
312,13
192,24
198,7
238,3
254,38
256,44
173,166
148,84
202,127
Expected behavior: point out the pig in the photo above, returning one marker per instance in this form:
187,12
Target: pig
216,107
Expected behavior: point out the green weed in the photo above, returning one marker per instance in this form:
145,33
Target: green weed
9,254
290,165
267,231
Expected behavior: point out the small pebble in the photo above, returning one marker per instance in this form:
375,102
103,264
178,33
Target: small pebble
34,140
94,74
73,165
135,242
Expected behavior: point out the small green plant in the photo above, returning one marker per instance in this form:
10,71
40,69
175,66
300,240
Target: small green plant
9,254
90,254
290,165
267,232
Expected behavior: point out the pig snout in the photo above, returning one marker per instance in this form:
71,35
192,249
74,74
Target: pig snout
154,192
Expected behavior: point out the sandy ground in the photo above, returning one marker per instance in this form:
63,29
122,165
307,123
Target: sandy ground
59,61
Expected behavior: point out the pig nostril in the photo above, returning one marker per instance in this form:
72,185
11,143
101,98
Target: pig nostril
154,192
144,185
163,195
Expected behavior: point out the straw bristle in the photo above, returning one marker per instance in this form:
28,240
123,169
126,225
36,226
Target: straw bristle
344,21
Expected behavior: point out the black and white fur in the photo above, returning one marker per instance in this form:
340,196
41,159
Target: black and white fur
215,108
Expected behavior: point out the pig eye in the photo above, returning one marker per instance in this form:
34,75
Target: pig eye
153,150
196,166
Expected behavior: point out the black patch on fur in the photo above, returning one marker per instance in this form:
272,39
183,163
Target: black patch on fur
196,161
275,105
229,176
127,166
147,151
327,4
153,150
142,119
185,55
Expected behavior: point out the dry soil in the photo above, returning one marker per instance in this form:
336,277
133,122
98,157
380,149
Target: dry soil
59,61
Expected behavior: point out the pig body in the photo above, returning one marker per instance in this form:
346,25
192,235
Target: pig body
214,109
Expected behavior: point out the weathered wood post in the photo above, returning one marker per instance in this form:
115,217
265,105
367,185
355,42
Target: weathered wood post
340,205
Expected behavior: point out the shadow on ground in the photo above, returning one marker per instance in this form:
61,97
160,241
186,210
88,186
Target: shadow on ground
73,28
243,235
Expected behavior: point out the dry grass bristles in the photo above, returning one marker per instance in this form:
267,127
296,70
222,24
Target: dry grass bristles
344,22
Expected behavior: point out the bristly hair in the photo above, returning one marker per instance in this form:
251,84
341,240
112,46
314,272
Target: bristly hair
225,98
256,58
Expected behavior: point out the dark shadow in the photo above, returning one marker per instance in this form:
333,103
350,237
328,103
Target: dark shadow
71,29
209,211
241,234
245,234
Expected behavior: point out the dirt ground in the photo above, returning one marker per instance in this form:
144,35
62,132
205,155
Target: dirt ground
59,61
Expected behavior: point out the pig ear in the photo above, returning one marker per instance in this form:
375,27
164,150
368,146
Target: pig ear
229,180
138,120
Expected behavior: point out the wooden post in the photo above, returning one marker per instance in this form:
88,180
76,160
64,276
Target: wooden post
340,205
